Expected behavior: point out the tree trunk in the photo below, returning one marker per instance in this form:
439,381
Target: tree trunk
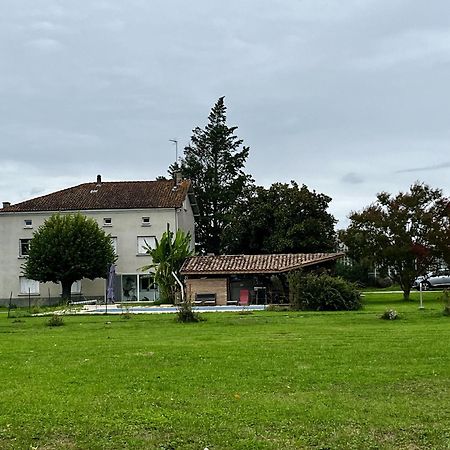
405,285
406,292
66,290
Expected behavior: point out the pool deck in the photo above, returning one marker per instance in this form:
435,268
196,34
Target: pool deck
114,309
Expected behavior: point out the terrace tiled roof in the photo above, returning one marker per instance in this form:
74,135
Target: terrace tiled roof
234,264
109,195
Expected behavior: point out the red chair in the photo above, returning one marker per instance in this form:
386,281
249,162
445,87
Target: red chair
244,296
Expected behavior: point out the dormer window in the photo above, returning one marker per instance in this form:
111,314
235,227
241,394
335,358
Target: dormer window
146,221
28,223
107,222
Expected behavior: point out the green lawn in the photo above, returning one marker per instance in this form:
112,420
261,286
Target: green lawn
268,380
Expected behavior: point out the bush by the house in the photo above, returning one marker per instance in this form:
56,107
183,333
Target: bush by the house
322,293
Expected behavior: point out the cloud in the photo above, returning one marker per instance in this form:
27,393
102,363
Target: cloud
58,138
352,178
104,5
45,45
114,25
336,95
48,27
408,47
440,166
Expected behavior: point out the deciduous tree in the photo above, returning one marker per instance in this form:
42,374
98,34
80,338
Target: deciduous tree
285,218
403,234
68,248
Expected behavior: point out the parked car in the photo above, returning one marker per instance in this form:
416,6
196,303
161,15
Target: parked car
433,280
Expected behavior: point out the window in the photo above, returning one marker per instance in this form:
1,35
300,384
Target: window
28,223
147,288
76,287
129,287
146,221
107,222
28,286
143,242
141,287
114,243
24,245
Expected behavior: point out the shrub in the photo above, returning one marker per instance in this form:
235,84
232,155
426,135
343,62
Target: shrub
55,321
185,313
126,315
390,314
322,293
35,309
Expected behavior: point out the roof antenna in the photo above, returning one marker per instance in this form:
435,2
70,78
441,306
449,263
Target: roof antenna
176,149
176,168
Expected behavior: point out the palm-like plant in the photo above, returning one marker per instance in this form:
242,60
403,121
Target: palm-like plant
167,258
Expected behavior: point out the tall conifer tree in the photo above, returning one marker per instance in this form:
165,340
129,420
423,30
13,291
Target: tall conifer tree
214,162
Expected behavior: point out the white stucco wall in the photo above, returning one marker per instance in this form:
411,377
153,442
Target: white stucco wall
126,226
185,221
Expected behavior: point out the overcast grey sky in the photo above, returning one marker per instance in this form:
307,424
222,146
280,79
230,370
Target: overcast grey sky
350,97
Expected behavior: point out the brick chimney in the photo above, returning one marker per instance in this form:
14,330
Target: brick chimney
99,179
177,177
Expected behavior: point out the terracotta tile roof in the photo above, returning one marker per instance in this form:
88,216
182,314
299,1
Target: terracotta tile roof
233,264
109,195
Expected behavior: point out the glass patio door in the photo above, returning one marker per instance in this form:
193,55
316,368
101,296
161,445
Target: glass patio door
138,287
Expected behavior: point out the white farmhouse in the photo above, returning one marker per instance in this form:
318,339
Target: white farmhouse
134,213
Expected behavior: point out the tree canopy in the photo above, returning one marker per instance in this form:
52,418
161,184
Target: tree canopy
403,234
235,216
68,248
167,258
214,162
284,218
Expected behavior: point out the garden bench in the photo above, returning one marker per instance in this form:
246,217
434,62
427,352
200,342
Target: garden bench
205,299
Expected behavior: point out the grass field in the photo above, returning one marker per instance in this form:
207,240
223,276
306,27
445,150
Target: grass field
267,380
